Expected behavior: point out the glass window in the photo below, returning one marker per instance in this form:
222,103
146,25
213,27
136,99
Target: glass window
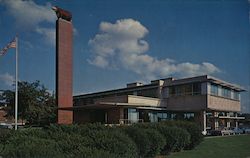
133,115
153,117
178,90
171,91
162,116
222,114
214,89
226,92
188,116
196,88
236,95
148,93
188,89
173,116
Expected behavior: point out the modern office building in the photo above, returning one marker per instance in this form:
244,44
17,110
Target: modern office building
209,101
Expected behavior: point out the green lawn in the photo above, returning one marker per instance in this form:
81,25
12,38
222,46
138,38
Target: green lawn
221,147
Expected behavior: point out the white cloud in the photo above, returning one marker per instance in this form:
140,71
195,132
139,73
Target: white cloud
49,34
99,61
28,13
121,45
31,16
7,79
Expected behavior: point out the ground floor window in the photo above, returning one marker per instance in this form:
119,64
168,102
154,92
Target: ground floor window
133,115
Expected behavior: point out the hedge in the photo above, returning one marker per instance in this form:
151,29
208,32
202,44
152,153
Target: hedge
192,128
97,140
176,138
149,141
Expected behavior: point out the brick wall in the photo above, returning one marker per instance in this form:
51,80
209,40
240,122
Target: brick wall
64,97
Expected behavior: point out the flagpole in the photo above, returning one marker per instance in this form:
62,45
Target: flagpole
16,93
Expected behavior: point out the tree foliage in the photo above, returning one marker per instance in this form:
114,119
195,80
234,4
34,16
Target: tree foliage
35,104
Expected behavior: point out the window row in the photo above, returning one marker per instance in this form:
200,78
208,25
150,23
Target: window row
225,92
187,89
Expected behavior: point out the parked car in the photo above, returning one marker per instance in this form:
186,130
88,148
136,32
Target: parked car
227,131
237,130
6,126
215,132
247,130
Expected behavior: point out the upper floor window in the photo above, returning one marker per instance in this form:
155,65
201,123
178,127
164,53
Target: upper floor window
178,90
236,95
196,88
226,92
214,89
186,89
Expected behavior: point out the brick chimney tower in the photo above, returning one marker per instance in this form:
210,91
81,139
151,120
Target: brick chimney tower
64,36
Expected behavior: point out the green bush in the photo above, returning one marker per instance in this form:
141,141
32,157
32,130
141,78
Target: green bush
157,142
113,141
4,135
176,138
97,140
92,140
193,129
149,141
72,138
22,146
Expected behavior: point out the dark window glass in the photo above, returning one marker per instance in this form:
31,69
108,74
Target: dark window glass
188,89
196,88
214,89
236,95
226,92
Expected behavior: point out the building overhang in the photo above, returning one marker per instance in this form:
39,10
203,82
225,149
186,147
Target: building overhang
205,78
226,84
108,105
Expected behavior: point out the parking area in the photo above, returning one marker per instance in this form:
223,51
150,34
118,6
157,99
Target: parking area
229,131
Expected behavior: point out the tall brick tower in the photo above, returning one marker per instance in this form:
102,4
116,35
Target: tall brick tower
64,35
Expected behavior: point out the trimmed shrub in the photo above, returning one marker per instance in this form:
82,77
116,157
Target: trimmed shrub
72,138
176,138
193,129
157,142
97,140
21,146
113,141
92,140
149,141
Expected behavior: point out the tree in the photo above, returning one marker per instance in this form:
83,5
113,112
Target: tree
35,104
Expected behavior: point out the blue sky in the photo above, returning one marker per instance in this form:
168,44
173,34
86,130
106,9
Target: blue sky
117,42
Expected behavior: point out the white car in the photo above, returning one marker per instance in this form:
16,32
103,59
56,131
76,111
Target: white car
238,130
247,130
226,131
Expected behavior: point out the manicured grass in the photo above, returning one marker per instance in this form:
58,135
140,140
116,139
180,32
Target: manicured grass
222,147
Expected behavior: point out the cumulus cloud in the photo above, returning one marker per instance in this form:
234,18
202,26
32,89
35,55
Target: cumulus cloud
7,79
49,34
121,45
28,13
31,16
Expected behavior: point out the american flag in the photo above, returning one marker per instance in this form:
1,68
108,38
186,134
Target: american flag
11,44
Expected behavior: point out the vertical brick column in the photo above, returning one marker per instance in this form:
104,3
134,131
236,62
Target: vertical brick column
64,32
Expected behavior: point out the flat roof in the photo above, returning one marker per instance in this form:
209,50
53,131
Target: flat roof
205,78
169,82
